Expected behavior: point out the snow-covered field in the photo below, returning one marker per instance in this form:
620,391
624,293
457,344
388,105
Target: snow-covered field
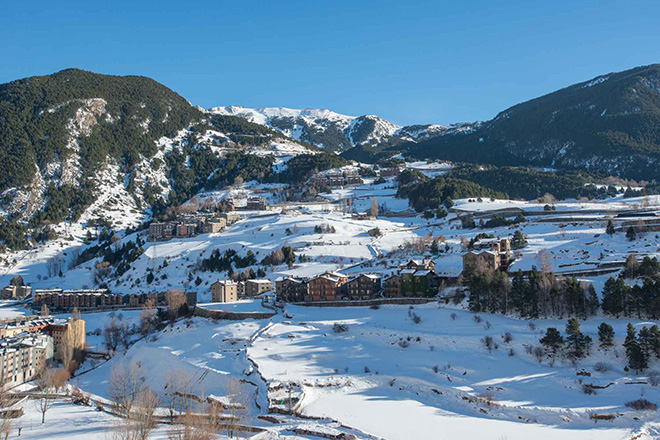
386,377
442,379
367,379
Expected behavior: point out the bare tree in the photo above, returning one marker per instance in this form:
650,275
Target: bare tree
125,334
237,406
111,334
373,210
148,317
6,423
545,260
175,299
71,349
142,420
178,389
45,384
59,378
126,383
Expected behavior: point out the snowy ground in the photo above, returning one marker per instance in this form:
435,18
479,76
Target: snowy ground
399,395
367,380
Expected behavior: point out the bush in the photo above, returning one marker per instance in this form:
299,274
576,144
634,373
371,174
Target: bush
588,388
601,367
507,337
488,343
641,405
453,316
339,328
477,319
654,378
416,319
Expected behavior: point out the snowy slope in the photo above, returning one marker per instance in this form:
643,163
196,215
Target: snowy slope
334,131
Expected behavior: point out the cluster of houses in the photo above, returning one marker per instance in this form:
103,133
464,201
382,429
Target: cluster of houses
190,225
58,299
28,346
414,279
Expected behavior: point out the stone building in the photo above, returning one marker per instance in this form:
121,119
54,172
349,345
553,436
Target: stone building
392,286
362,287
290,289
488,254
253,288
224,291
15,292
418,283
325,286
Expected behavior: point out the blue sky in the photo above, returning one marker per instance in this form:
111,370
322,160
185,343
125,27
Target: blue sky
407,61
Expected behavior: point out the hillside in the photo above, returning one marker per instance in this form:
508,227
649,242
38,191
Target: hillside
78,146
610,124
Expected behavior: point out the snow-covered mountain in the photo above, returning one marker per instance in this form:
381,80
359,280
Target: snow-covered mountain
333,131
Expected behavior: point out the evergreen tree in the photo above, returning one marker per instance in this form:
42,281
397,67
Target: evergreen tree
592,300
605,335
577,343
552,340
613,296
17,281
637,360
434,247
610,228
631,235
518,240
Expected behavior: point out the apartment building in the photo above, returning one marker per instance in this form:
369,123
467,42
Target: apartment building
23,357
256,287
224,291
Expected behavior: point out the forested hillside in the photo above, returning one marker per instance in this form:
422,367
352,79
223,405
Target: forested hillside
610,124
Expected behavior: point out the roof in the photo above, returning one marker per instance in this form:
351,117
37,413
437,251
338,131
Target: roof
422,273
408,271
226,282
259,281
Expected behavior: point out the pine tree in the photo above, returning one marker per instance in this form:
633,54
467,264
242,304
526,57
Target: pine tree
631,235
613,296
577,343
644,340
552,340
518,240
605,335
434,247
655,340
637,359
592,300
610,228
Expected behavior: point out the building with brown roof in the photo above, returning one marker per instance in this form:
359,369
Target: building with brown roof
290,289
362,287
325,286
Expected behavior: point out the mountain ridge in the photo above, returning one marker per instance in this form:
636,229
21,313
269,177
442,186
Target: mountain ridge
334,131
